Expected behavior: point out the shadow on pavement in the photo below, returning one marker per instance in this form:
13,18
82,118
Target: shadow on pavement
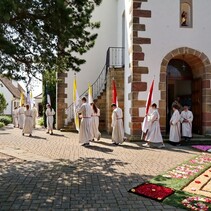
100,149
95,183
35,137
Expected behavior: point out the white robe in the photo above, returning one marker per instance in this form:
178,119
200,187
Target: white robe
175,134
95,124
85,134
27,129
49,114
154,134
35,114
21,117
117,125
187,126
15,117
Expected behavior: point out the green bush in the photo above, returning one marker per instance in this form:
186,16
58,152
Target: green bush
41,121
2,124
6,119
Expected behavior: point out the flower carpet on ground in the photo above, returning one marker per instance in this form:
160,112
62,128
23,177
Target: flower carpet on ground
152,191
205,148
190,183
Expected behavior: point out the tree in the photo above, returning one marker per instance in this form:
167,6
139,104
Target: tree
3,103
39,35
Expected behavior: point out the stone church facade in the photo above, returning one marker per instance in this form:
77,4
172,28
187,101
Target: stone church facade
168,41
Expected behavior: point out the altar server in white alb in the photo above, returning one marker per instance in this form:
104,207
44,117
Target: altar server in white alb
186,120
175,131
95,122
117,125
28,124
153,136
21,116
49,114
85,113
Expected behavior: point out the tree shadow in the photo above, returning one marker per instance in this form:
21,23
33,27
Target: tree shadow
94,183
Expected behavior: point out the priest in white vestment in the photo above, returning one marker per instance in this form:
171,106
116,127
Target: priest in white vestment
95,122
49,114
175,131
21,116
186,120
117,125
27,129
153,136
85,131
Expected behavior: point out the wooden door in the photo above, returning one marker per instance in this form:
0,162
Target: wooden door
197,105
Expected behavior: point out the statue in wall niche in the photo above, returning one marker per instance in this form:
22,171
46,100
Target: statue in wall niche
184,19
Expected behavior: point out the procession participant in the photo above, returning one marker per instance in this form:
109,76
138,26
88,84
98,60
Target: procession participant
27,129
85,111
186,120
95,122
49,120
35,115
175,133
21,116
153,136
15,117
117,125
177,102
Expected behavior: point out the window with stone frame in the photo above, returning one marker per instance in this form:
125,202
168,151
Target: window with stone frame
186,14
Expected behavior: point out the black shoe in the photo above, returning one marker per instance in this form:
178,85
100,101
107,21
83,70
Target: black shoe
22,134
85,144
116,144
30,135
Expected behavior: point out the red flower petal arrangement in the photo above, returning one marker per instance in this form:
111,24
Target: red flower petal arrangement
152,191
197,203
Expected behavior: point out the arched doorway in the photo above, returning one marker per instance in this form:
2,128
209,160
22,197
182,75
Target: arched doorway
182,85
185,73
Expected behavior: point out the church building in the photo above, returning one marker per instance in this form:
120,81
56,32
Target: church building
140,41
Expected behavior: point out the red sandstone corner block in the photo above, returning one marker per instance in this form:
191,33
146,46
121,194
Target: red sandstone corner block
141,40
139,86
134,111
135,125
206,84
142,13
136,5
138,56
139,27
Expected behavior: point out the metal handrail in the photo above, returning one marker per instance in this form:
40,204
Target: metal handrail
114,58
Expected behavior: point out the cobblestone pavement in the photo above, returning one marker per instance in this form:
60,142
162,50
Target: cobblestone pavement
54,172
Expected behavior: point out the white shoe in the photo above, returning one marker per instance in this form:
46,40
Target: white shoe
146,145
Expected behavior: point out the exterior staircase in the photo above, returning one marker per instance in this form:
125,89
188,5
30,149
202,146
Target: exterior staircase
101,90
196,139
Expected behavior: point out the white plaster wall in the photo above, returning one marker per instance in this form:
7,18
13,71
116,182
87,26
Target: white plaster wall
96,57
123,6
9,98
166,35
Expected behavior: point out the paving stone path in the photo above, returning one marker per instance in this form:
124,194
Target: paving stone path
54,172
